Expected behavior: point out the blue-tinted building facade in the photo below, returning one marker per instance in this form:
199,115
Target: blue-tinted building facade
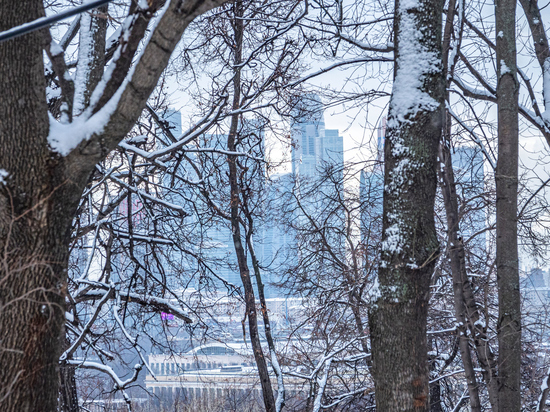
313,150
470,187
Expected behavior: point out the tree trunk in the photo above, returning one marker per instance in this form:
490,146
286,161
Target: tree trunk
435,387
36,211
409,244
466,309
461,284
509,318
244,271
250,300
68,395
280,402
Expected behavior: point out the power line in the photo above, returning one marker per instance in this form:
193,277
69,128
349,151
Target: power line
47,21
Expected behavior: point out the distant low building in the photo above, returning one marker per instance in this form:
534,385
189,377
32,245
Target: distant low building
211,374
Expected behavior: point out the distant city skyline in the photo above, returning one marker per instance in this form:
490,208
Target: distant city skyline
313,148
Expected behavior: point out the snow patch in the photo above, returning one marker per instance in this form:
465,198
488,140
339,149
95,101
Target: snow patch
480,323
413,64
65,137
55,48
53,92
389,293
504,69
143,5
374,292
393,244
3,175
137,139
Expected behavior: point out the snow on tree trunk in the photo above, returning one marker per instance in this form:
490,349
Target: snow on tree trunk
410,247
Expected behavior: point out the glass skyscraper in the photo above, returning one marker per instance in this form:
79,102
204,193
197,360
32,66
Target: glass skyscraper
470,187
314,150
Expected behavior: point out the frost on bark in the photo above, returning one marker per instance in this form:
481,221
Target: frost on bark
410,247
91,56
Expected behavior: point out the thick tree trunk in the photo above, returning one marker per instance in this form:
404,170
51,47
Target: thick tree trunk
509,319
410,247
36,211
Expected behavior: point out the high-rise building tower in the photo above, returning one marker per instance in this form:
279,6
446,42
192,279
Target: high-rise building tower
315,149
470,186
173,117
308,130
277,239
371,193
317,171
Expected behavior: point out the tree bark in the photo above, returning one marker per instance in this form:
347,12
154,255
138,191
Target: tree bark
509,318
91,55
281,393
466,309
68,395
36,209
409,243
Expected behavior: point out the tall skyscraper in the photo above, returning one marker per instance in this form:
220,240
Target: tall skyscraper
470,187
308,130
315,150
371,193
275,248
313,146
317,171
212,238
173,117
